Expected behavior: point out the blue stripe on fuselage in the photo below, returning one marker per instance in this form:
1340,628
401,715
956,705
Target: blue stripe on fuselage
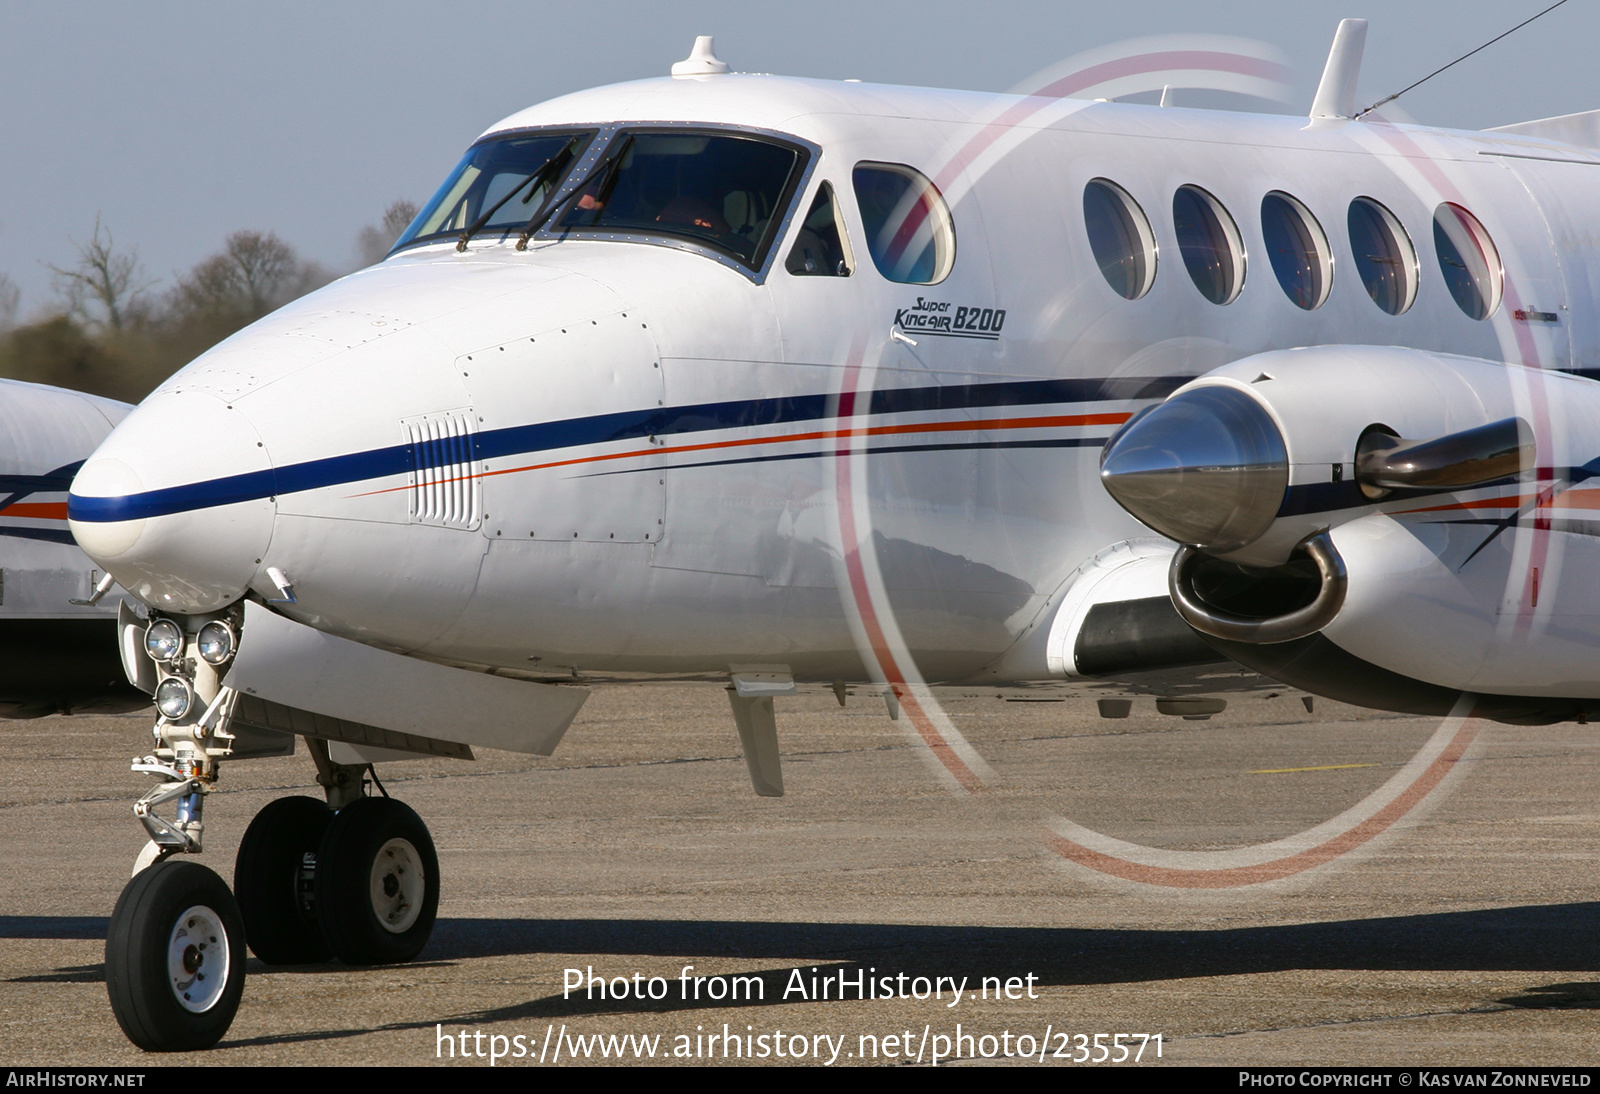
48,535
599,429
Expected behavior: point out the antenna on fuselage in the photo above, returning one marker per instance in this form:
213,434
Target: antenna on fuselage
1452,64
1336,94
702,60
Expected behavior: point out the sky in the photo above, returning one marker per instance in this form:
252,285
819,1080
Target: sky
176,122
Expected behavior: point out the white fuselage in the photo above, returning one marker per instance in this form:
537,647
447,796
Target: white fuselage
45,434
669,464
58,649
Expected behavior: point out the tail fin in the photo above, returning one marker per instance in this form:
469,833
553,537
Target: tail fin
1581,129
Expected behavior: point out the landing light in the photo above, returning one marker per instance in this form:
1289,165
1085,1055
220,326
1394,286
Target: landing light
173,698
163,640
215,642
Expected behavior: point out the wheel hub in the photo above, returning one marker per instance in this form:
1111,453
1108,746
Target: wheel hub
398,885
198,940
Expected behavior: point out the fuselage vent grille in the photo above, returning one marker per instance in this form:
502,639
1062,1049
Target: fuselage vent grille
446,489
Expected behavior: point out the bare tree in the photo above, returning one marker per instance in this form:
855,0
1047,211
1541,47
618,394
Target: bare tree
104,285
10,297
255,273
398,217
266,268
375,241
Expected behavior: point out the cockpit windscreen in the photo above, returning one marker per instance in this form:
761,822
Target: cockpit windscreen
727,192
505,180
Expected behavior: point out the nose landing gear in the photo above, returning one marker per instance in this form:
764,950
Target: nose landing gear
360,884
356,878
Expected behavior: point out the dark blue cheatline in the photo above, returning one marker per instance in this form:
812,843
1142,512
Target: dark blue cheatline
873,450
525,440
13,488
47,535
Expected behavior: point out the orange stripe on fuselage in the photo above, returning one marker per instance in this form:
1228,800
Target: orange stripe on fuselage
1053,421
1480,503
1577,499
1587,498
37,510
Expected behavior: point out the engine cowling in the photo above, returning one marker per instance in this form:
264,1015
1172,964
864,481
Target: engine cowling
1384,526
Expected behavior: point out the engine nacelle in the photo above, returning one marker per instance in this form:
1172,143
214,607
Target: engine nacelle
1111,620
1385,526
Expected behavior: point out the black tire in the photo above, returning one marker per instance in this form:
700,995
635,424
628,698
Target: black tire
269,881
175,958
372,906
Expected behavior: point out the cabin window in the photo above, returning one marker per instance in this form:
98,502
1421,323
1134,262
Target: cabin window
723,191
821,248
1297,249
506,178
1385,258
1210,244
909,233
1120,237
1468,259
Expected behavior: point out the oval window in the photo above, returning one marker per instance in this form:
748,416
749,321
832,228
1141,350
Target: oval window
1209,241
1384,256
1120,236
1297,249
909,233
1468,259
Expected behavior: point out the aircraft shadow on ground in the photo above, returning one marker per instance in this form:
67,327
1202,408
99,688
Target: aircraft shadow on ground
1535,938
1532,938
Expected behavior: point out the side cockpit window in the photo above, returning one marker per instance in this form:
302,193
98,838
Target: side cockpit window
821,249
726,192
909,231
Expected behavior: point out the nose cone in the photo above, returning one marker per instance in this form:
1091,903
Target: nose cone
177,503
1208,468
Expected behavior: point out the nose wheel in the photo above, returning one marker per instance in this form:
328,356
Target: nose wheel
175,958
356,878
360,884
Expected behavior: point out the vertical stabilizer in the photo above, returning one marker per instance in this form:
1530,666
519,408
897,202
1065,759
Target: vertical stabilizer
1582,129
1336,94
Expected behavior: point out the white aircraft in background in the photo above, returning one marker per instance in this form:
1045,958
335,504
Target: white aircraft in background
58,642
787,382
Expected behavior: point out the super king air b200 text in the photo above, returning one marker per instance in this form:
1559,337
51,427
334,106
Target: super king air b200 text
794,383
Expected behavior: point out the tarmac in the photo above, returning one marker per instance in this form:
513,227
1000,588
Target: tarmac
1459,930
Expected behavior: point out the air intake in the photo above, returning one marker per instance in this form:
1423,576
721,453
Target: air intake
446,489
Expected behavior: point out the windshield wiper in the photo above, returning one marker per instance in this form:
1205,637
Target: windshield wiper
547,171
604,173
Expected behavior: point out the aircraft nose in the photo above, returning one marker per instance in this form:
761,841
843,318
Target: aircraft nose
1208,468
177,504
